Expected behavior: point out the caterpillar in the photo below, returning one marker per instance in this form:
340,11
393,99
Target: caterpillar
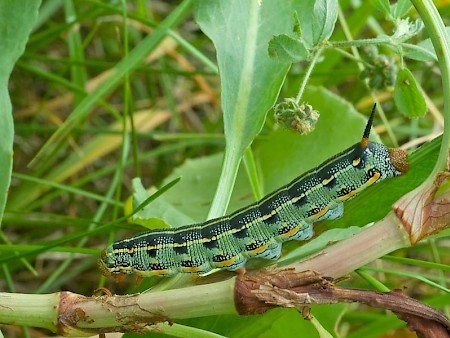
259,229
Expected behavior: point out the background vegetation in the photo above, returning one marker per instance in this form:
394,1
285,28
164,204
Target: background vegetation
107,91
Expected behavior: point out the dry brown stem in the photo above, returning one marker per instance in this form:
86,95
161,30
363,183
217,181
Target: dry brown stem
422,212
287,288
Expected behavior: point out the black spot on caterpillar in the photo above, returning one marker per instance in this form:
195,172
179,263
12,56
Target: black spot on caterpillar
259,229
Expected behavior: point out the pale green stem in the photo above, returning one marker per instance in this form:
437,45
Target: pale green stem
252,174
228,175
308,72
361,43
438,35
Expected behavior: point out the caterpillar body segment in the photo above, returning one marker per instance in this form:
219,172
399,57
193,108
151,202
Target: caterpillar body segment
259,229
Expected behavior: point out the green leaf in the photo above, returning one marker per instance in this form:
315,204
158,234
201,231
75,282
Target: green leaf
278,322
159,213
401,8
280,157
250,79
425,50
297,28
16,22
284,48
407,95
382,5
180,206
317,20
378,326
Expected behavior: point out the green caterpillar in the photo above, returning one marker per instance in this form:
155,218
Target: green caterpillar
260,229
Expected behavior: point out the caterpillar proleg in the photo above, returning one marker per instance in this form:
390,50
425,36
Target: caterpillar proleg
259,229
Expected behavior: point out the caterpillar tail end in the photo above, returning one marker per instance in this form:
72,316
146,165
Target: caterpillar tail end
399,159
103,267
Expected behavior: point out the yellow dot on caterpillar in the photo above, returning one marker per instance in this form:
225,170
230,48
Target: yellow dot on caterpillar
356,161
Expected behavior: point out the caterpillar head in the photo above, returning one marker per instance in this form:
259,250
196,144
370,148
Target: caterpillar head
389,162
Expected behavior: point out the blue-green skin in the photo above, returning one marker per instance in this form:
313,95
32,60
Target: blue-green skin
260,229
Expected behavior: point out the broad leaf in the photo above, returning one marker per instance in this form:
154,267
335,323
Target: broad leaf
287,49
16,22
407,95
317,19
190,200
250,80
281,156
156,215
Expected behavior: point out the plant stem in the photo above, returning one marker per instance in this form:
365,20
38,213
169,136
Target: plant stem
228,175
360,43
71,314
438,35
383,237
308,72
252,174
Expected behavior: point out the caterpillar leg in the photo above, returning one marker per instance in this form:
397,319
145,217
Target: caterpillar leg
336,211
298,230
233,263
241,270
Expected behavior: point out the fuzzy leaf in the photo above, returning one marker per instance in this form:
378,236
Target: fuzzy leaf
284,48
317,20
